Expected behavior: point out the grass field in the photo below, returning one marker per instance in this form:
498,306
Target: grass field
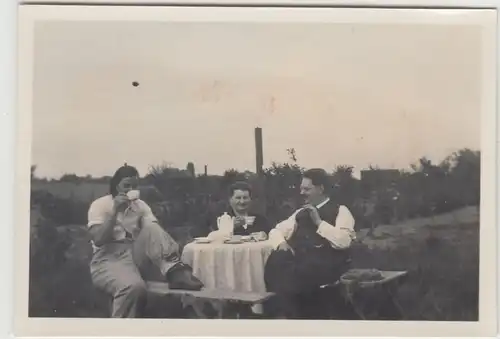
441,253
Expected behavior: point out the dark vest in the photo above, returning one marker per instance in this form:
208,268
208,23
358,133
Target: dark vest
315,261
305,240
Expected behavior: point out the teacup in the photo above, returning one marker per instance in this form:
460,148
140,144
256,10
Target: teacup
133,195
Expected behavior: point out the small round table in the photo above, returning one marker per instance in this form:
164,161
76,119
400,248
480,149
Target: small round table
237,267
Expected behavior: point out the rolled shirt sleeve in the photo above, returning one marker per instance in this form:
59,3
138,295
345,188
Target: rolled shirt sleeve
283,231
97,213
342,233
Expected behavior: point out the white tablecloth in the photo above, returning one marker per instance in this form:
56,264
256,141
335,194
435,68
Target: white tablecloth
237,267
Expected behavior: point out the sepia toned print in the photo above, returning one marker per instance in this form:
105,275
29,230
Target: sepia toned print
257,170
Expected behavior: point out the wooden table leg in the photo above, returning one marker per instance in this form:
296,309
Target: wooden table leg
205,309
195,306
387,306
349,294
357,308
244,311
219,309
224,309
393,310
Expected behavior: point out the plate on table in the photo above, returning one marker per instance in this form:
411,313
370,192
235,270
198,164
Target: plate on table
246,238
259,236
202,240
233,241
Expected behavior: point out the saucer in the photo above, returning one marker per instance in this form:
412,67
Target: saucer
202,240
233,241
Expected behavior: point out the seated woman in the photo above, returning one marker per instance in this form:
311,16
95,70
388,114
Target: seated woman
246,222
129,244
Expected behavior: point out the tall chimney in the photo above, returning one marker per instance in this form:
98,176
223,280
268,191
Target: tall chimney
206,170
259,153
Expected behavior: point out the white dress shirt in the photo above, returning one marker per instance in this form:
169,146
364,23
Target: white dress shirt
339,235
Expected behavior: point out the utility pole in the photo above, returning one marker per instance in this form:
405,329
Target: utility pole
259,153
259,161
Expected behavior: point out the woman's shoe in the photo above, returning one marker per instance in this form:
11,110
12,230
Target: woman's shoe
180,277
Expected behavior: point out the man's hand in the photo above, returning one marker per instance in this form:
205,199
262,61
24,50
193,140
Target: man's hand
285,247
313,212
239,221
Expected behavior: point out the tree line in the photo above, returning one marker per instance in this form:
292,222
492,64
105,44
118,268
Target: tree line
181,197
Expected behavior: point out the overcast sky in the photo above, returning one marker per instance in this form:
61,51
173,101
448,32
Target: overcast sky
338,94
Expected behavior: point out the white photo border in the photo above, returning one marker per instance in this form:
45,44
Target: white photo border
25,326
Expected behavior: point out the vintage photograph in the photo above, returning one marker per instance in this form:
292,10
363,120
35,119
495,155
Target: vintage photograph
207,168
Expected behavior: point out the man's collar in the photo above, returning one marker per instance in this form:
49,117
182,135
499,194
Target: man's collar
323,203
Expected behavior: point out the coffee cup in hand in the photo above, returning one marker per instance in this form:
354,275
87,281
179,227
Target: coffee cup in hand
133,195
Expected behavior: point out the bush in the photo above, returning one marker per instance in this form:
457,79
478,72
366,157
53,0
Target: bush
59,210
60,284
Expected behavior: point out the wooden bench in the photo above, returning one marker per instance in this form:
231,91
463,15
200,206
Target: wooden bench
233,305
225,303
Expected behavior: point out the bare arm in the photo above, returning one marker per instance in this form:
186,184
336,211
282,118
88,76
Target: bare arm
103,233
102,223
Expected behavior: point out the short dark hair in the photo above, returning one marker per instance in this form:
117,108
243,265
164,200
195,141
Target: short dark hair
125,171
240,185
318,176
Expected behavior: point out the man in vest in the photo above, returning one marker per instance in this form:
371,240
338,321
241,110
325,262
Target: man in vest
311,250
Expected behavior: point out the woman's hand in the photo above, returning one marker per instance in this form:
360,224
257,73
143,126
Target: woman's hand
120,202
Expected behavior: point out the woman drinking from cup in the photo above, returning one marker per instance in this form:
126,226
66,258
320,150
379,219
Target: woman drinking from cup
130,246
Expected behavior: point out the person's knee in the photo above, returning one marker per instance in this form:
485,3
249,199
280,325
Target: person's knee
157,233
135,290
151,224
138,288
